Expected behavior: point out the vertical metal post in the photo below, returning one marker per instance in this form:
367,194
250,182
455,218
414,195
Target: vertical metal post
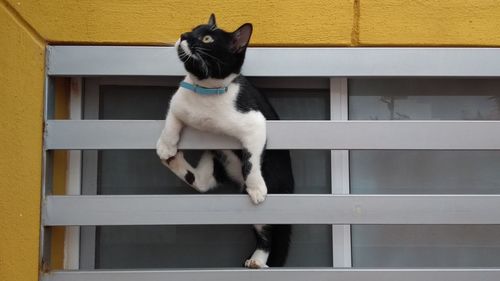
73,184
47,170
341,234
89,171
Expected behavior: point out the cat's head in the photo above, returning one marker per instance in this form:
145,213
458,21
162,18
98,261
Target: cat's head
210,52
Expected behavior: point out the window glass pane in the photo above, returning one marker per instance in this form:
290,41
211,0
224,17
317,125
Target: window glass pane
425,245
424,99
198,246
424,172
202,246
134,102
300,104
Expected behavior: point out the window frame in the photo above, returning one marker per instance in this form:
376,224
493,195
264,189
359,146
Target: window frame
83,244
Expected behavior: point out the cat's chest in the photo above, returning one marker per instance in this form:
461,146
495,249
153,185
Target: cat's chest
214,112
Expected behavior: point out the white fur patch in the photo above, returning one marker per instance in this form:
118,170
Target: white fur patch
218,114
259,227
258,259
185,47
215,113
203,173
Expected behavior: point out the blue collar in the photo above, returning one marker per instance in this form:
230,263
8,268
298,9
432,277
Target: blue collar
202,90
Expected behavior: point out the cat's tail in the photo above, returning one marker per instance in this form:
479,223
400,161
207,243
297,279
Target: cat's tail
280,237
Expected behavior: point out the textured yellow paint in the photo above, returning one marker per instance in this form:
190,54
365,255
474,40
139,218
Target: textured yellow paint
276,22
430,22
21,99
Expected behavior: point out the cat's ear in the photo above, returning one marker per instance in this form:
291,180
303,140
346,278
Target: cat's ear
211,20
241,37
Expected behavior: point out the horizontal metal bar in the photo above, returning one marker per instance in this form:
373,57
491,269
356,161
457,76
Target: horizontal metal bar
307,62
277,209
439,274
135,134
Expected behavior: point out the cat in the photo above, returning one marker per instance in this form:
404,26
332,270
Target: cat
215,97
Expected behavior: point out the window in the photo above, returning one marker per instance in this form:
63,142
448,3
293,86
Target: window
425,172
192,246
412,170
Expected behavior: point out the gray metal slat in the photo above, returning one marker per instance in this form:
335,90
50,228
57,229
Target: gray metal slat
438,274
277,209
282,62
142,134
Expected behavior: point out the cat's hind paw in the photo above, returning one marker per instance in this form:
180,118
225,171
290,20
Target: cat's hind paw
257,194
165,151
255,264
175,163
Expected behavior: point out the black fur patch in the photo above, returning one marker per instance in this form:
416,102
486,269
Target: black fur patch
219,159
249,98
246,166
189,177
246,101
280,237
264,237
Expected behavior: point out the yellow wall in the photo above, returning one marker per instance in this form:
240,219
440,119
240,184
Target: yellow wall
159,21
277,22
26,26
430,22
21,107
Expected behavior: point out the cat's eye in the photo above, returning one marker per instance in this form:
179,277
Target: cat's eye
207,39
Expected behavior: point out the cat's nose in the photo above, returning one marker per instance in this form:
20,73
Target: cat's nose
184,36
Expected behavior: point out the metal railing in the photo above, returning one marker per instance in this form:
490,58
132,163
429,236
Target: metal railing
79,210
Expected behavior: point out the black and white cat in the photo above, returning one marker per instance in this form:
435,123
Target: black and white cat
215,97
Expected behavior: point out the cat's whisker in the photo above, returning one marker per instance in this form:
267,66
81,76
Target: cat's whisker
218,62
204,65
191,56
202,52
207,54
185,56
212,57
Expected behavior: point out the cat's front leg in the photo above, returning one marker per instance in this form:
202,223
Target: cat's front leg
166,146
253,142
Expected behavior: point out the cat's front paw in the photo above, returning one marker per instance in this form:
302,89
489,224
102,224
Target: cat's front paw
165,151
257,193
255,264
